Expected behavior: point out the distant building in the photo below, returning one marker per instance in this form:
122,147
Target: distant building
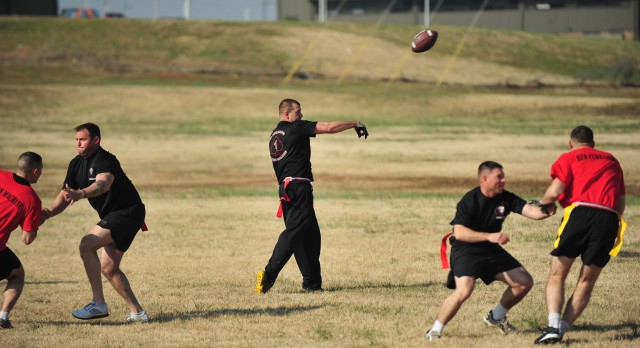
28,7
548,16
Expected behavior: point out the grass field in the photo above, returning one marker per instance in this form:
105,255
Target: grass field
197,152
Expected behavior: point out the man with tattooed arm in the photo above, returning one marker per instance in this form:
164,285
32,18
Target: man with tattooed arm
96,175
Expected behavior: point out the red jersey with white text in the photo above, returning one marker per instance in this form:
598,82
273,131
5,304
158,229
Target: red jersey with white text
19,206
589,175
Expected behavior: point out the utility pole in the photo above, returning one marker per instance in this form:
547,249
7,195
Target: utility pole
322,11
522,12
636,19
426,13
187,9
155,9
265,4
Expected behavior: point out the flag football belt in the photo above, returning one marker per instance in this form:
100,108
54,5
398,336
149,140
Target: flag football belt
284,196
621,227
443,251
144,226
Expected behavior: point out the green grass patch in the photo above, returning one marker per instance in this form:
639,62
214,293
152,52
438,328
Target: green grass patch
144,50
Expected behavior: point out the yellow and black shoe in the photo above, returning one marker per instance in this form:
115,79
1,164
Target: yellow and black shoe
263,283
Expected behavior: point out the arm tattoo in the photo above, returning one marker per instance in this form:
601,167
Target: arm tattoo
101,187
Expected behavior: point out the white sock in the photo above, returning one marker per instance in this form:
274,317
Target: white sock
554,320
4,315
499,312
437,326
138,314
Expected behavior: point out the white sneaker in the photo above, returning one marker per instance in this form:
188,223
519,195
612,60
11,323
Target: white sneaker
432,335
92,311
141,317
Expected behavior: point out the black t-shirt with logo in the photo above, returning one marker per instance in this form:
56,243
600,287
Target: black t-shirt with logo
290,149
484,214
82,173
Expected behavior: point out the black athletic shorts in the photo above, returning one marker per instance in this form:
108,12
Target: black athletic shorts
8,262
124,225
479,263
591,233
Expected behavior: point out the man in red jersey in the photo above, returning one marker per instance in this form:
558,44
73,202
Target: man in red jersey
19,205
589,184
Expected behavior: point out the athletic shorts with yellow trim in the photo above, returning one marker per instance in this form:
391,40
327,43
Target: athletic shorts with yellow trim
592,233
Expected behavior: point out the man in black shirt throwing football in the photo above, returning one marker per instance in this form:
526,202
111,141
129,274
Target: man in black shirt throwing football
96,175
290,150
476,251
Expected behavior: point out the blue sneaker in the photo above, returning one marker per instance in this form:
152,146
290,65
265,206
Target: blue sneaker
92,311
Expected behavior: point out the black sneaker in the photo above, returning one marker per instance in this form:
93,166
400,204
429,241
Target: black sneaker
550,335
263,283
5,324
313,289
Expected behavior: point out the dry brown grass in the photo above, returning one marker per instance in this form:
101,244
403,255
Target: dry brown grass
334,53
198,157
37,49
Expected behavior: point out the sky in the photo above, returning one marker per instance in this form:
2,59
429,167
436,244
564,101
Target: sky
235,10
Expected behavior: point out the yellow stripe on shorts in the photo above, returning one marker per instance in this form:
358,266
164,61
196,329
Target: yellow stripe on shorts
565,219
619,240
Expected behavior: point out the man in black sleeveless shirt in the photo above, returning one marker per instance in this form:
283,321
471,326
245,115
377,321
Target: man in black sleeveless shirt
290,149
96,175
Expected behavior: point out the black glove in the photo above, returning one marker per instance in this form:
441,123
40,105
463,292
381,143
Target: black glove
544,208
361,130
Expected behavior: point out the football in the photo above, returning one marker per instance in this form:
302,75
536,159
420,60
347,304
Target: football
424,40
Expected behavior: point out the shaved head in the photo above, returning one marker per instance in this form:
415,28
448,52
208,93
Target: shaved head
488,166
582,135
29,161
287,105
